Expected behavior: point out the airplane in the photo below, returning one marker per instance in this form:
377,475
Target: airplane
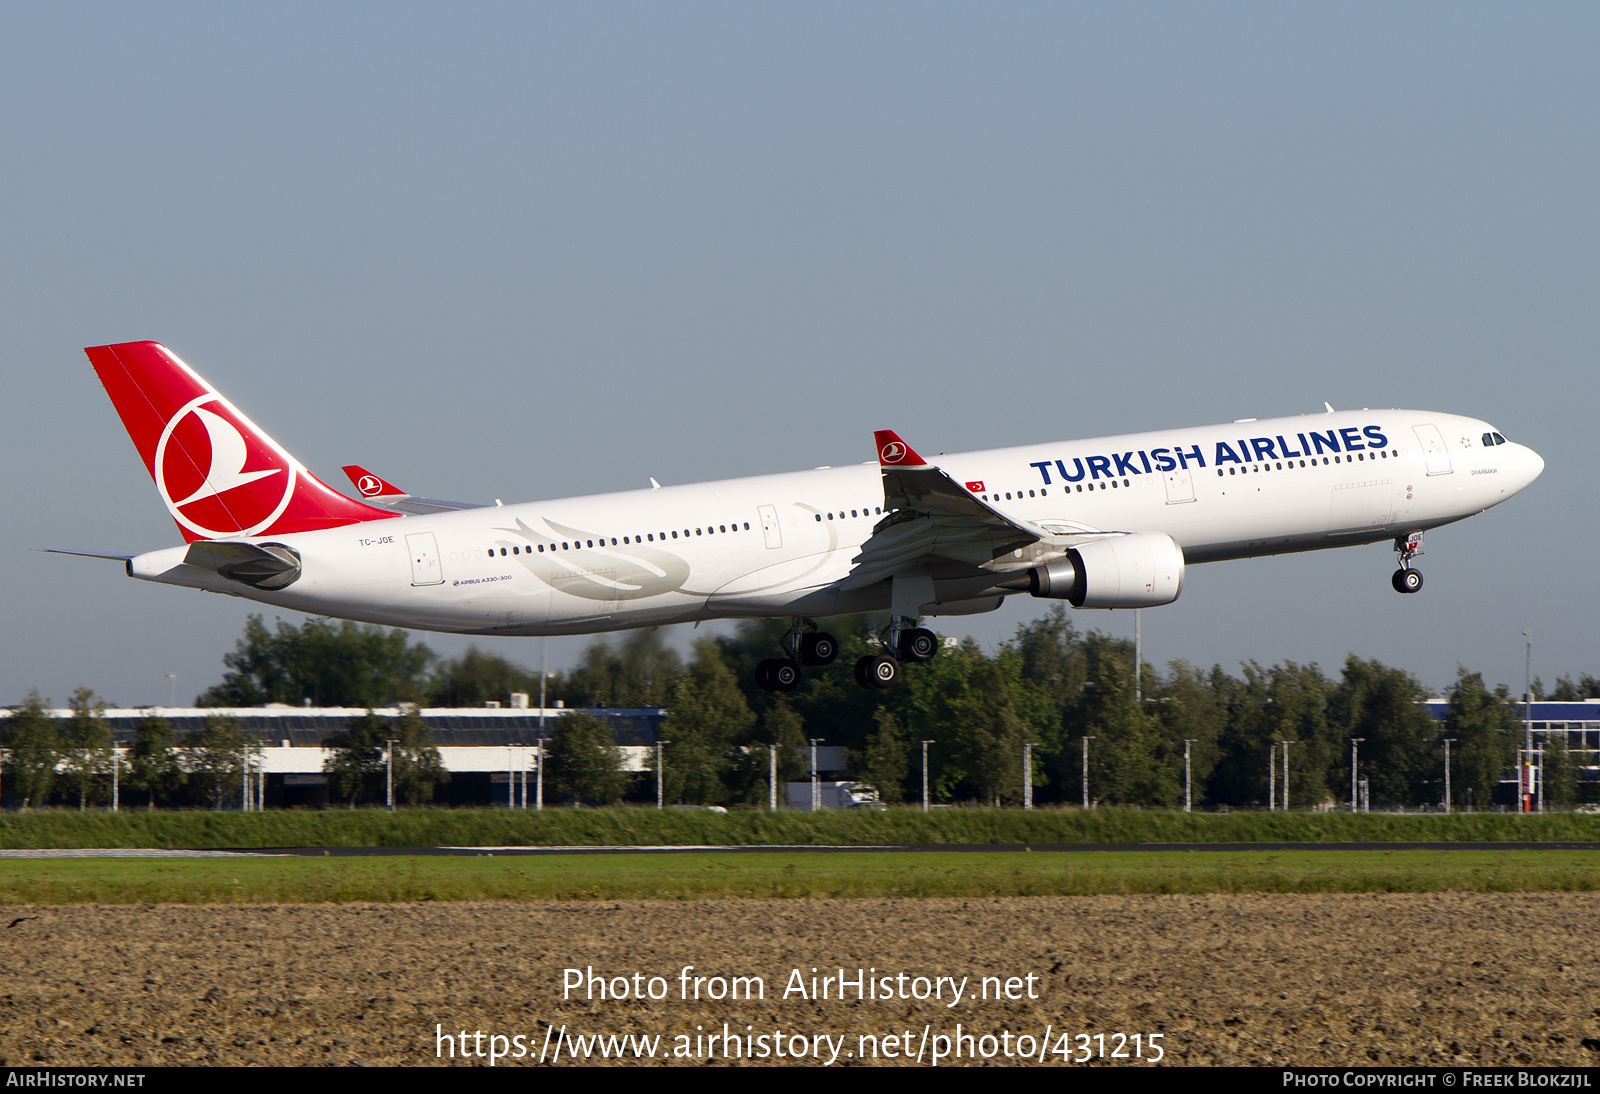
1108,522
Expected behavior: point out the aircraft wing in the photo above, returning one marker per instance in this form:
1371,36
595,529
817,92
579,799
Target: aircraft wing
931,518
379,491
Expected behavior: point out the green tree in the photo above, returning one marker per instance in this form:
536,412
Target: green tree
32,742
327,664
585,764
86,749
355,763
1192,706
706,716
1053,657
417,765
1566,691
886,760
154,766
1487,730
1287,702
944,702
639,673
478,677
216,758
1560,772
994,740
1127,764
750,774
1382,705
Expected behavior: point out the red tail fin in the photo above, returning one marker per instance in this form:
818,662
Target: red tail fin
220,476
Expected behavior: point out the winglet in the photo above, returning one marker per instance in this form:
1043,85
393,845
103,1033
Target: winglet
371,486
893,452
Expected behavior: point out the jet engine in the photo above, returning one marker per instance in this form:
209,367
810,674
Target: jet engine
1137,570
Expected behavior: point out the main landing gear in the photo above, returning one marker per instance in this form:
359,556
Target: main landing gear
1406,579
903,644
806,646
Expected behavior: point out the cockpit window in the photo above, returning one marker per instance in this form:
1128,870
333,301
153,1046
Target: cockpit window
1488,440
1499,439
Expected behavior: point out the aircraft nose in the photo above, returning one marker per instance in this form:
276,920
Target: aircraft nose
1534,465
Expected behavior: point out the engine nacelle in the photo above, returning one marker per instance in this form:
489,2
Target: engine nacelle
1138,570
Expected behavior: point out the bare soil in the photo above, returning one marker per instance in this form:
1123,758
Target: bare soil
1311,980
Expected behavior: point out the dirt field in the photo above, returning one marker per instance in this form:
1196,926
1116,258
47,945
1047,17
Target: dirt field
1320,980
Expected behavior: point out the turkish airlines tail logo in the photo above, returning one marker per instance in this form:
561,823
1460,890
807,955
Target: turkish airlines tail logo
220,476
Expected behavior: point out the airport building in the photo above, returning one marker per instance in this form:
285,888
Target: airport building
491,752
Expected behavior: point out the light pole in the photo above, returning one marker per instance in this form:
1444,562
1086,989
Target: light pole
1027,774
772,778
1353,742
925,745
172,687
1086,741
388,773
1286,745
1188,742
1138,658
115,795
660,770
1447,741
538,785
816,787
1526,785
1272,776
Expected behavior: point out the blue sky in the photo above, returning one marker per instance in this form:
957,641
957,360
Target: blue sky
527,251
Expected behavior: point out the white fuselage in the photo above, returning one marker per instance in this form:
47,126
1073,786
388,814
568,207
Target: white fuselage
778,545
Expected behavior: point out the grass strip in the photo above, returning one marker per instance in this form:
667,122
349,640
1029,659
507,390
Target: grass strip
434,827
799,875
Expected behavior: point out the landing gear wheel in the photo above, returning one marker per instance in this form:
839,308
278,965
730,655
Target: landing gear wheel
1406,580
785,675
778,674
818,648
877,672
918,645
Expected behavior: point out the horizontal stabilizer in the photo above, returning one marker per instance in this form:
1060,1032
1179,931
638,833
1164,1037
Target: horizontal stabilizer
86,554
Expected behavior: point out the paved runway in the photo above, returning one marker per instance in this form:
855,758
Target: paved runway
741,849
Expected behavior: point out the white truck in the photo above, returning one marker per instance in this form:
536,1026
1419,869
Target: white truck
832,795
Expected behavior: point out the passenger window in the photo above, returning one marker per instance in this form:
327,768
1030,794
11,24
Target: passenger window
674,535
724,527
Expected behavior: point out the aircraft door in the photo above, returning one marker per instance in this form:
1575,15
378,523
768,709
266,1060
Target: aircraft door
1180,486
1433,447
769,526
425,568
